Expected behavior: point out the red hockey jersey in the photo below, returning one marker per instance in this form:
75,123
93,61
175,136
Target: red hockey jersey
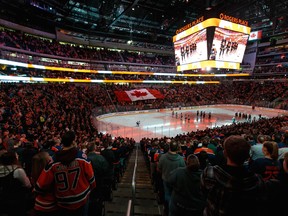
70,177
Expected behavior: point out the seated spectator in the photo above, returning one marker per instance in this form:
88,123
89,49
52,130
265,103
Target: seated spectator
268,166
256,150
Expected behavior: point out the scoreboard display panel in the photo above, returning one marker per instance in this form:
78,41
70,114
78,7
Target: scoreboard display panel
192,48
228,45
211,43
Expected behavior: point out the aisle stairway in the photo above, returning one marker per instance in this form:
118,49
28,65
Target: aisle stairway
143,200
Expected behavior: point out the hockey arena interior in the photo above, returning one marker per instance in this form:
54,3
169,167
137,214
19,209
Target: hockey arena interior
143,107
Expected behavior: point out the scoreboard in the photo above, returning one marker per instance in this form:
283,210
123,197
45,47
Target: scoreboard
214,43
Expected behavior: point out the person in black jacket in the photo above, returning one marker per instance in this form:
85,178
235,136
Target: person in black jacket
187,197
15,187
231,189
101,172
109,155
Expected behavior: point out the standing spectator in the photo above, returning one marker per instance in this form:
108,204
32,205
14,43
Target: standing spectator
101,169
27,155
167,163
45,203
71,176
232,189
151,152
187,198
15,187
109,155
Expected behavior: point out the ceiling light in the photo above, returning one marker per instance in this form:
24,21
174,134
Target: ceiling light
208,5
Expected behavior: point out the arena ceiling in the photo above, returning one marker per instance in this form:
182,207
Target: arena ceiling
153,21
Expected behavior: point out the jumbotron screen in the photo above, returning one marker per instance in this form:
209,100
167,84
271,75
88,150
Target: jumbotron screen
212,43
228,46
192,48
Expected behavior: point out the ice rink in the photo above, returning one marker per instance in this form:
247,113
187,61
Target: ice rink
159,123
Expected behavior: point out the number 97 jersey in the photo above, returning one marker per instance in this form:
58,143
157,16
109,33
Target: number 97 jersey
70,177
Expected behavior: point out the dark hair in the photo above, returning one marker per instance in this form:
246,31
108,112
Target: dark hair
174,146
8,158
91,147
203,159
39,161
272,149
237,149
277,137
285,138
193,163
50,143
205,141
195,143
68,138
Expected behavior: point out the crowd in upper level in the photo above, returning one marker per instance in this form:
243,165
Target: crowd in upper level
55,48
108,59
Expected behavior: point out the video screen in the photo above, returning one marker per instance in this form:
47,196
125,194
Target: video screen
192,48
228,45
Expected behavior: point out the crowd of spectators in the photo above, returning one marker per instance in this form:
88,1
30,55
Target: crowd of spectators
36,118
55,48
265,145
22,105
93,57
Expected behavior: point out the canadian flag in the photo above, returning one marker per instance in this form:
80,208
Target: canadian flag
138,94
254,35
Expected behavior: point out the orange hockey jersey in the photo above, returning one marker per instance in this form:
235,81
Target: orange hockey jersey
70,177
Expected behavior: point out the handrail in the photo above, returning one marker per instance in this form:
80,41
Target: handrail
128,213
133,180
